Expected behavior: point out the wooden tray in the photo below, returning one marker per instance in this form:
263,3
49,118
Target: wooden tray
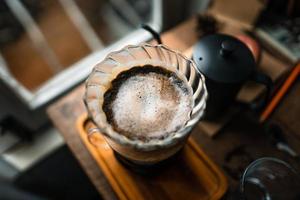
192,176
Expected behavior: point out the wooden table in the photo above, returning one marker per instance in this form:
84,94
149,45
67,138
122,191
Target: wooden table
240,142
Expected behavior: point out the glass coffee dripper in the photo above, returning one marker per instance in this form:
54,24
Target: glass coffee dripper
137,151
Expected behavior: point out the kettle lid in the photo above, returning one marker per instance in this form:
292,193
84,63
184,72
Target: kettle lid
223,58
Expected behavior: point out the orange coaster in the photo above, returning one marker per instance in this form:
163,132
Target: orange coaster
192,175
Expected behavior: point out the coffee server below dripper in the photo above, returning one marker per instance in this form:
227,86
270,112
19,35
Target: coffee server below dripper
227,64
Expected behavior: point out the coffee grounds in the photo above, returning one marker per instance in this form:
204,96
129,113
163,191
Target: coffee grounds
148,102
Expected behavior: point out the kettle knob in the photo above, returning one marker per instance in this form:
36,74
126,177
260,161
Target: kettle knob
227,48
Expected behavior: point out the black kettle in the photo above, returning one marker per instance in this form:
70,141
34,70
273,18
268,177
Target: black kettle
227,64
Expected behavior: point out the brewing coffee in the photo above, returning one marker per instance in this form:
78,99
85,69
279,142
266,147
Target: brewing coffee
148,102
144,100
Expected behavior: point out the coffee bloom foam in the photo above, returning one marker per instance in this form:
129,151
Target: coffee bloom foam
151,105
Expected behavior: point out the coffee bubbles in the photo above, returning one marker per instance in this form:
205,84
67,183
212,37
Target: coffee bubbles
148,102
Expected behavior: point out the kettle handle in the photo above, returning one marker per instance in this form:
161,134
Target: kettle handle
263,79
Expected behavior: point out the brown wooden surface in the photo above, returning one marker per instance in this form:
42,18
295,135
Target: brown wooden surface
191,174
239,143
